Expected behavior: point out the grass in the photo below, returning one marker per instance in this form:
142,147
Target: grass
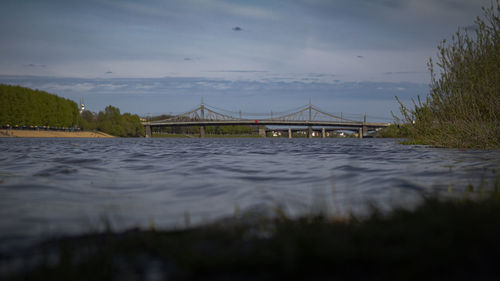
453,239
469,135
393,131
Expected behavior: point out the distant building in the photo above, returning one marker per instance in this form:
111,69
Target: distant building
82,106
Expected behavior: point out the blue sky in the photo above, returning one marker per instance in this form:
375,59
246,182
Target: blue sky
163,56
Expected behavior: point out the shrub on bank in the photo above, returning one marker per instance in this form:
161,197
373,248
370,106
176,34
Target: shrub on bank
463,107
393,131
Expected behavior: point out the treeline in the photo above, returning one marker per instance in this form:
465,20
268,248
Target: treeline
26,107
111,121
463,108
21,106
211,130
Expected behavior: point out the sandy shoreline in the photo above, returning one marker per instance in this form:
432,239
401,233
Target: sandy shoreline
50,134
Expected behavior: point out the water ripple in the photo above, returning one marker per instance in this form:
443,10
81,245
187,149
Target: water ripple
56,170
60,182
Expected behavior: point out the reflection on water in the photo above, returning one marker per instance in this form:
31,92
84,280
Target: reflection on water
59,186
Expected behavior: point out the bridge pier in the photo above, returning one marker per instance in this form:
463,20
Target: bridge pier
360,133
202,131
323,133
309,132
262,132
364,128
148,131
289,133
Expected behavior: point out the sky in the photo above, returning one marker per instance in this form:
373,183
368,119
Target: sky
163,56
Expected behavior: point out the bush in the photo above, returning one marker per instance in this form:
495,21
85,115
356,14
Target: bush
393,131
464,102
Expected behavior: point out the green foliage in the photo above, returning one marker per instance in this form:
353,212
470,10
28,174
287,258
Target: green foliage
463,107
23,106
88,121
160,117
209,130
393,131
229,130
112,122
215,131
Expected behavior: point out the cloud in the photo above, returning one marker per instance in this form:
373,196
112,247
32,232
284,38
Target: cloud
157,38
388,3
67,87
471,27
110,86
238,71
320,75
223,85
34,65
141,95
462,5
401,72
238,10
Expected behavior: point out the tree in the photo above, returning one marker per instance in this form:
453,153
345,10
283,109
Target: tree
112,122
23,106
88,120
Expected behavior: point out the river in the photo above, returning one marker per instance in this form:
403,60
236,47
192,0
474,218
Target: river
52,187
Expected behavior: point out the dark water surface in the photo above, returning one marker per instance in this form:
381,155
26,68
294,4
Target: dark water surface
50,187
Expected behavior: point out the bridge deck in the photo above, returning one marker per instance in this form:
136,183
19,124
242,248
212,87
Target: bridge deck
266,122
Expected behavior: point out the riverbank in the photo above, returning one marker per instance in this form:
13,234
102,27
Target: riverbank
51,134
455,239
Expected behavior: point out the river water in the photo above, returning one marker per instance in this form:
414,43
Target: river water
52,187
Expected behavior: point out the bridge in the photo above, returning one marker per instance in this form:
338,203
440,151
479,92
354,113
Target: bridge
308,116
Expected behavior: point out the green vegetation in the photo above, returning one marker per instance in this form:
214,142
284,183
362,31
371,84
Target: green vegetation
26,107
230,130
223,130
393,131
464,103
112,122
453,239
165,135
